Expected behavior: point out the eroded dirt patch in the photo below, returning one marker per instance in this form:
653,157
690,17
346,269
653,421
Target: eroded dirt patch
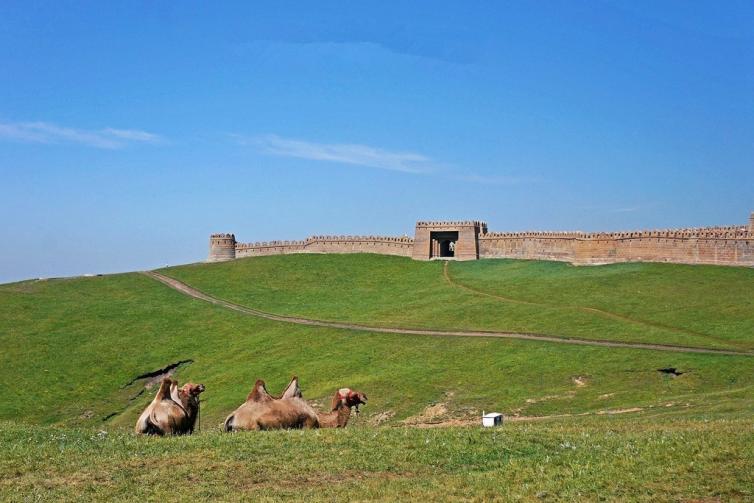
155,376
671,371
381,417
580,381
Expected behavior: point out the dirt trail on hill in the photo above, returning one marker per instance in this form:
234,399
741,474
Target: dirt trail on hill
197,294
584,309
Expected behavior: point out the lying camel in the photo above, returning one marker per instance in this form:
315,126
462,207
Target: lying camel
173,411
262,411
188,398
342,401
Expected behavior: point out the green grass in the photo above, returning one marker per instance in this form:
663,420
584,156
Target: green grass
70,346
717,302
702,306
611,459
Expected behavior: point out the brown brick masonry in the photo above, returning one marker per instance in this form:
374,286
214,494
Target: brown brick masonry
732,245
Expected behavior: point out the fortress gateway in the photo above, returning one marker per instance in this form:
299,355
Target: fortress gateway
470,240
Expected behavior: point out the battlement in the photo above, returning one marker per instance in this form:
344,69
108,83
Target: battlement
535,234
452,223
470,240
727,232
315,239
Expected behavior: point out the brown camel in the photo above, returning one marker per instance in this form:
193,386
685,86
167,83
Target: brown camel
342,402
262,411
173,411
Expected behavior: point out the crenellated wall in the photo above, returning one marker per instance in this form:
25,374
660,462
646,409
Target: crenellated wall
733,245
529,245
383,245
711,245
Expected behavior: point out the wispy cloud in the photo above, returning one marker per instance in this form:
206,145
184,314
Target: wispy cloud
627,209
497,179
631,208
353,154
45,132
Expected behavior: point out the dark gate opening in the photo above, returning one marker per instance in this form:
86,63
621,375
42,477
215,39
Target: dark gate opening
443,244
447,248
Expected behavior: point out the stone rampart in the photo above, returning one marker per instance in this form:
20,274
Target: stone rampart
384,245
732,245
470,240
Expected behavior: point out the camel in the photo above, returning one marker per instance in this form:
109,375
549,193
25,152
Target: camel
173,411
262,411
342,402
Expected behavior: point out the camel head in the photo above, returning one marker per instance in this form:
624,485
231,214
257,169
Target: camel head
191,389
348,398
188,394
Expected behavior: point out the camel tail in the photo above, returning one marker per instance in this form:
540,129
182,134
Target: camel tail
229,423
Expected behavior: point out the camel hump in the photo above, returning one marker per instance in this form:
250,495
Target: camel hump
165,389
175,392
293,389
259,392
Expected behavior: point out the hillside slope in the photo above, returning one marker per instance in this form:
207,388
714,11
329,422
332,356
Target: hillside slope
703,306
71,347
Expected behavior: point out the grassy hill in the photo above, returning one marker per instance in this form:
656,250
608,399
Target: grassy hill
71,349
703,306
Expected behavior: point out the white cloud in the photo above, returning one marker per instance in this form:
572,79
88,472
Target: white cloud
133,135
45,132
497,179
357,155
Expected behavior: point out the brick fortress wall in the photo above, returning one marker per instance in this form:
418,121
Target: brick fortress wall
383,245
733,245
709,245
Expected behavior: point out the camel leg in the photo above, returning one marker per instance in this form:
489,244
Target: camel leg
311,423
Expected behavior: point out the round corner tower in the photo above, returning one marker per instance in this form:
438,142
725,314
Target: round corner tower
222,247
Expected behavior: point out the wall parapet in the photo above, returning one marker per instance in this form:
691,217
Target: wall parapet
451,223
535,234
728,232
333,239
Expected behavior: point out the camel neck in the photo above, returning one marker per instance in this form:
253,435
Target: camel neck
343,415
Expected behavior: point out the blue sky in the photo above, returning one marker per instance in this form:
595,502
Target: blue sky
130,131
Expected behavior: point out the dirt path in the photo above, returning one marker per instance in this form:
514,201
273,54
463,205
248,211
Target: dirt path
584,309
197,294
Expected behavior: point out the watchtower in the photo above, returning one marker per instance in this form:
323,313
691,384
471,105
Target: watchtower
751,223
222,247
448,240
